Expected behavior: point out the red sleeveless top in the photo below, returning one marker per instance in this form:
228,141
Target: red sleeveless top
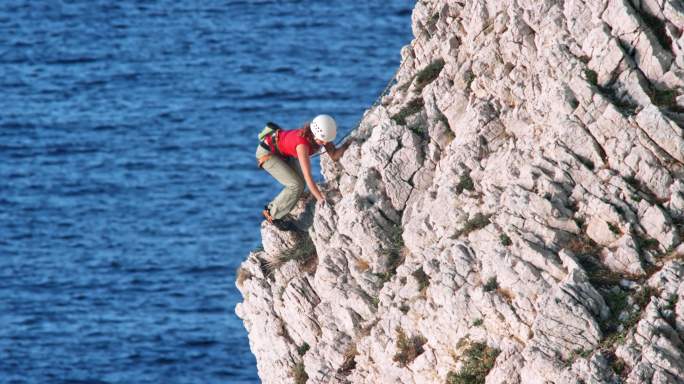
288,140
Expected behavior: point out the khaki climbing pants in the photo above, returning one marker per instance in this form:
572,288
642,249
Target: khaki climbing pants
288,173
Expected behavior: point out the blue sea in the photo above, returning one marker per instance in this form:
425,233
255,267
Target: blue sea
129,193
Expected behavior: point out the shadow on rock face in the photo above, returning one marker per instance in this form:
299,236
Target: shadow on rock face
281,246
303,213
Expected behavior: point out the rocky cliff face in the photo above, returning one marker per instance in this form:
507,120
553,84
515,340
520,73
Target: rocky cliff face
513,211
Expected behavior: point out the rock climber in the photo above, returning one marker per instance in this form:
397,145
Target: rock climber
285,154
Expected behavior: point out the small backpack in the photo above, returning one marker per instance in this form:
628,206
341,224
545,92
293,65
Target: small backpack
270,129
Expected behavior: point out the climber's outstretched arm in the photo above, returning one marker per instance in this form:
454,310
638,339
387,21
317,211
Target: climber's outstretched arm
336,153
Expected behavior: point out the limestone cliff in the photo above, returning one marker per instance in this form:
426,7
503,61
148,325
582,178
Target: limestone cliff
512,211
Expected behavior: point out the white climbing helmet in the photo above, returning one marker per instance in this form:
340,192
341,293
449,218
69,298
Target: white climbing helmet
324,128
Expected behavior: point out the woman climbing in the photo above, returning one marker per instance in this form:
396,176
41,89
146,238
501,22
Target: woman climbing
285,154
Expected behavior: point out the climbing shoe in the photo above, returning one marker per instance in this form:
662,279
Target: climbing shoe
267,214
283,225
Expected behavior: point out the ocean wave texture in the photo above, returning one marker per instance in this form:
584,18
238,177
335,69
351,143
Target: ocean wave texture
129,189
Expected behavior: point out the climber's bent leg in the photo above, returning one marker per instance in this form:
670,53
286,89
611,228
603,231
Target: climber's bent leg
290,179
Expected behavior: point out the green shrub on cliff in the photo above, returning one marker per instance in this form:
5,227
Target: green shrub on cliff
408,348
414,106
479,359
429,73
298,373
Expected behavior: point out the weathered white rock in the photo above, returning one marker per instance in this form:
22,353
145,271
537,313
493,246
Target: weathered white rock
655,349
508,210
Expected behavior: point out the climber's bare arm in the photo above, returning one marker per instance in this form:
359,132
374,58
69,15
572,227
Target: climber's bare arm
336,153
305,164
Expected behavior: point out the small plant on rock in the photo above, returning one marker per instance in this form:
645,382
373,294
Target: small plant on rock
616,328
419,130
491,284
408,348
592,76
587,251
647,243
349,362
465,182
614,228
298,373
618,365
303,253
469,77
302,349
396,238
479,359
664,98
643,296
479,221
505,293
477,322
577,353
505,240
395,253
375,301
672,302
422,278
618,301
405,86
429,73
669,313
583,353
414,106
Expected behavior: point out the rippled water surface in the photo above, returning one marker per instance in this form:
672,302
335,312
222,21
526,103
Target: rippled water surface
129,193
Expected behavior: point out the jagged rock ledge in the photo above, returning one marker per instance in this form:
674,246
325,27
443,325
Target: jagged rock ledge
513,211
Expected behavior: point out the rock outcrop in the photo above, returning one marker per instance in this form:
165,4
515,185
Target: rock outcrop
512,211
